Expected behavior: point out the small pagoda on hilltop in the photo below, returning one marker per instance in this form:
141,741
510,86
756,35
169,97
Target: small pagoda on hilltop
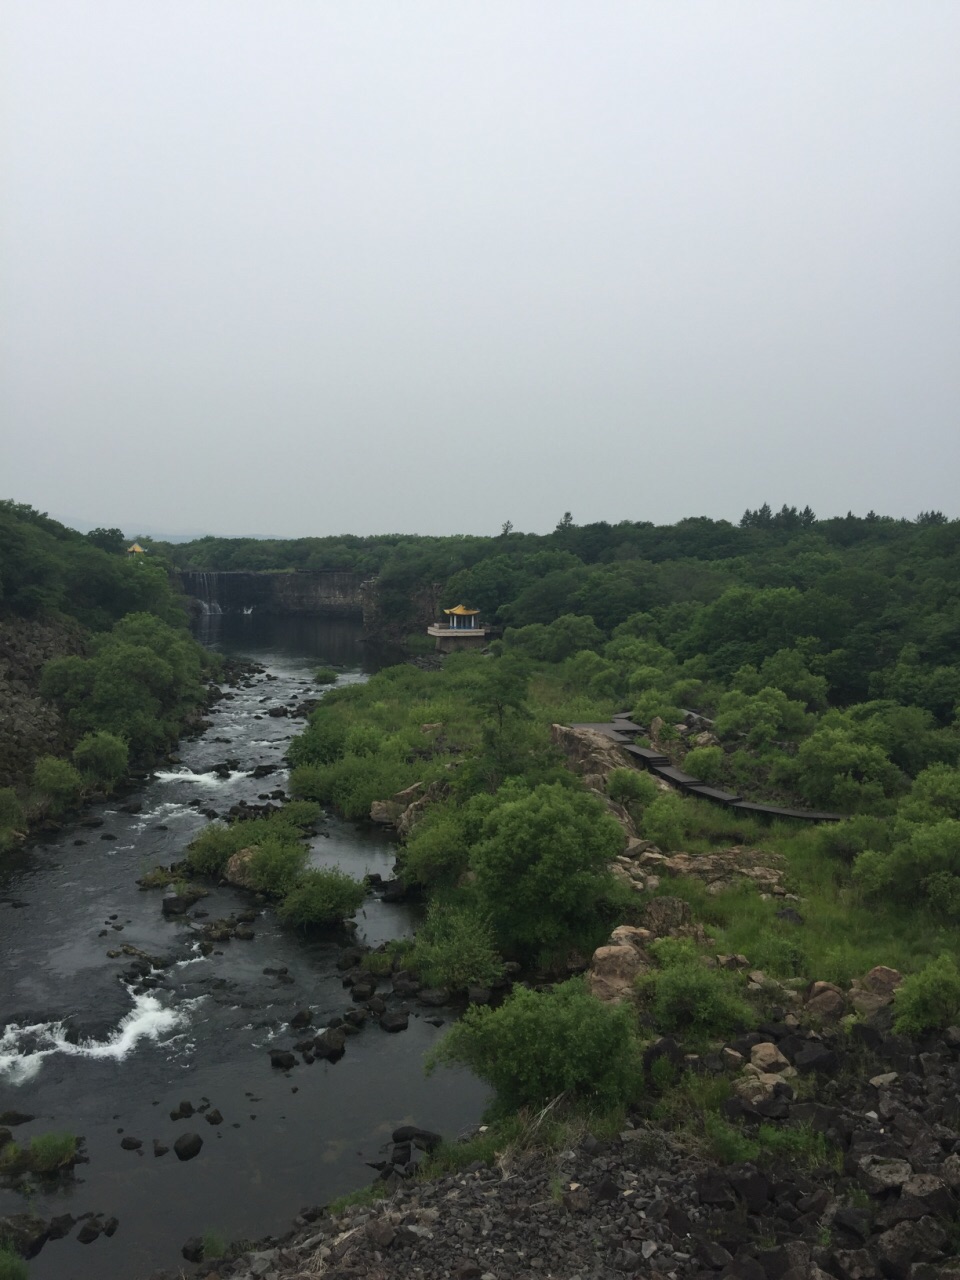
462,629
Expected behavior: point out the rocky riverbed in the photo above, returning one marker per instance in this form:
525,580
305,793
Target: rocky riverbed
882,1204
133,1027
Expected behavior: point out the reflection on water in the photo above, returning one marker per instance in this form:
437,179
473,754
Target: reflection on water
337,641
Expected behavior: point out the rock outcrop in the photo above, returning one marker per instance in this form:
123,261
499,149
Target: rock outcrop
30,727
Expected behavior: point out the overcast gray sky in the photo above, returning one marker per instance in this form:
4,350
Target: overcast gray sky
304,267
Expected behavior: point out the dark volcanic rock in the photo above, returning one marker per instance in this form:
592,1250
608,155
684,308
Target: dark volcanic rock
25,1233
330,1044
187,1146
394,1021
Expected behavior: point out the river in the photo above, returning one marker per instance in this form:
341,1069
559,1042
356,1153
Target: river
80,1052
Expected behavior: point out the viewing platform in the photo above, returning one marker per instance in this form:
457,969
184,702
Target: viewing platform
462,630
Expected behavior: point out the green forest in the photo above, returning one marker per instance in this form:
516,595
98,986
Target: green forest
788,658
98,665
824,649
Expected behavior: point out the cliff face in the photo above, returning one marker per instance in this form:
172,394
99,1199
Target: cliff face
29,727
388,615
324,593
388,620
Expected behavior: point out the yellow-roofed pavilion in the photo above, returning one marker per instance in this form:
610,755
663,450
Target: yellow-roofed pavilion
461,629
136,550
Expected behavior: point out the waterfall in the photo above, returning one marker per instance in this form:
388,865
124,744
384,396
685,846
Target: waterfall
210,605
204,591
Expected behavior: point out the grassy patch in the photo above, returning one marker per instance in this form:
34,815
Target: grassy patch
214,1245
364,1195
12,1266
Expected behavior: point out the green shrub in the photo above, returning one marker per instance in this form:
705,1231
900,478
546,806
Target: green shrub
276,865
212,849
539,1045
726,1143
102,756
663,821
844,840
57,782
437,849
12,1266
325,675
214,1245
352,783
321,896
455,948
629,786
541,867
928,1000
686,997
364,740
322,742
311,781
11,812
49,1152
705,763
300,814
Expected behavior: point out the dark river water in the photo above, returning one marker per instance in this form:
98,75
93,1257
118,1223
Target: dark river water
82,1053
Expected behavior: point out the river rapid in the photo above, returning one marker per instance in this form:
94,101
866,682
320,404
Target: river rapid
81,1053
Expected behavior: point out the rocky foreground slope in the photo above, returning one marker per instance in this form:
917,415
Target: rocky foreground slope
883,1203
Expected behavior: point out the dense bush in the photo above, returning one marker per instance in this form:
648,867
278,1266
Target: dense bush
541,867
57,782
12,1266
837,771
210,852
664,821
276,864
352,783
325,675
102,757
928,1000
629,786
142,682
455,948
686,997
437,850
539,1045
321,896
49,1152
322,742
11,811
705,763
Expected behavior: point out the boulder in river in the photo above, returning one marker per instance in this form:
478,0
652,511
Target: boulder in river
192,1249
282,1059
25,1233
394,1021
187,1146
330,1044
424,1139
237,870
90,1231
